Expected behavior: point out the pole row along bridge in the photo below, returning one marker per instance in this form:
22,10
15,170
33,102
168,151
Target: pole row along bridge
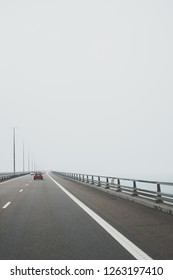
70,216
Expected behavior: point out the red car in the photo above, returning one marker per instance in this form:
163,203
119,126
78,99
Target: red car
38,176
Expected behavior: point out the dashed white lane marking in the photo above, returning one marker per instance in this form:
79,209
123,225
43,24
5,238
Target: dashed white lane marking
6,205
21,190
27,184
127,244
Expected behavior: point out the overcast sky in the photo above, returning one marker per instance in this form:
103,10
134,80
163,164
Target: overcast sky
89,84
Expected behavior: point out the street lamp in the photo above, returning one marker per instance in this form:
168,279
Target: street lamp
23,156
14,150
28,161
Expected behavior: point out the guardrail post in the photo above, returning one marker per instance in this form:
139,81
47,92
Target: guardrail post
134,192
119,186
83,180
87,180
92,180
158,199
79,177
98,184
107,183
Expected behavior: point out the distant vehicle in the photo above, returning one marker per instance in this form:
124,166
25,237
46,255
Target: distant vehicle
38,176
32,173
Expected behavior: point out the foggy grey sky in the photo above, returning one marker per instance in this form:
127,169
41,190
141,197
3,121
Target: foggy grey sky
89,86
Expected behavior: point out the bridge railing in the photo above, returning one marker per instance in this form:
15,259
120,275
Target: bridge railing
152,190
7,176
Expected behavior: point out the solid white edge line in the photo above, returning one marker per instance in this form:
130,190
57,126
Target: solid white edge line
127,244
6,205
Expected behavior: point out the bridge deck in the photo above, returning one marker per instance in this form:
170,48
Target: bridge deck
51,219
150,229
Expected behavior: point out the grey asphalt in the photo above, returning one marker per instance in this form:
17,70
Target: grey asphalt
42,222
151,230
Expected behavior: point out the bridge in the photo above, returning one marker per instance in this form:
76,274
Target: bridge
82,216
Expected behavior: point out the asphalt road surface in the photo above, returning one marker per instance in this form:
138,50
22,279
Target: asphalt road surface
39,220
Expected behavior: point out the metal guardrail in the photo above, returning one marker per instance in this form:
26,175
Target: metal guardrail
133,187
7,176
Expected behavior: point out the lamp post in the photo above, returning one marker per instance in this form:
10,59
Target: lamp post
14,149
28,161
23,156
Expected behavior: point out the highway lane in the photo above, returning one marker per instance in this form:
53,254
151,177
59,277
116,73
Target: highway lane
42,222
151,230
9,189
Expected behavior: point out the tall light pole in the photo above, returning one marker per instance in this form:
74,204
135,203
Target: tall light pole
14,149
23,156
32,161
28,161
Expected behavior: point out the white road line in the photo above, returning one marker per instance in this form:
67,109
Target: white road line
6,205
127,244
21,190
27,184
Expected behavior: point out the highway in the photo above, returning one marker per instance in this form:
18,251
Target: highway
61,219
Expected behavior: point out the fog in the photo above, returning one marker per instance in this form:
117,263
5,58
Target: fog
88,84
